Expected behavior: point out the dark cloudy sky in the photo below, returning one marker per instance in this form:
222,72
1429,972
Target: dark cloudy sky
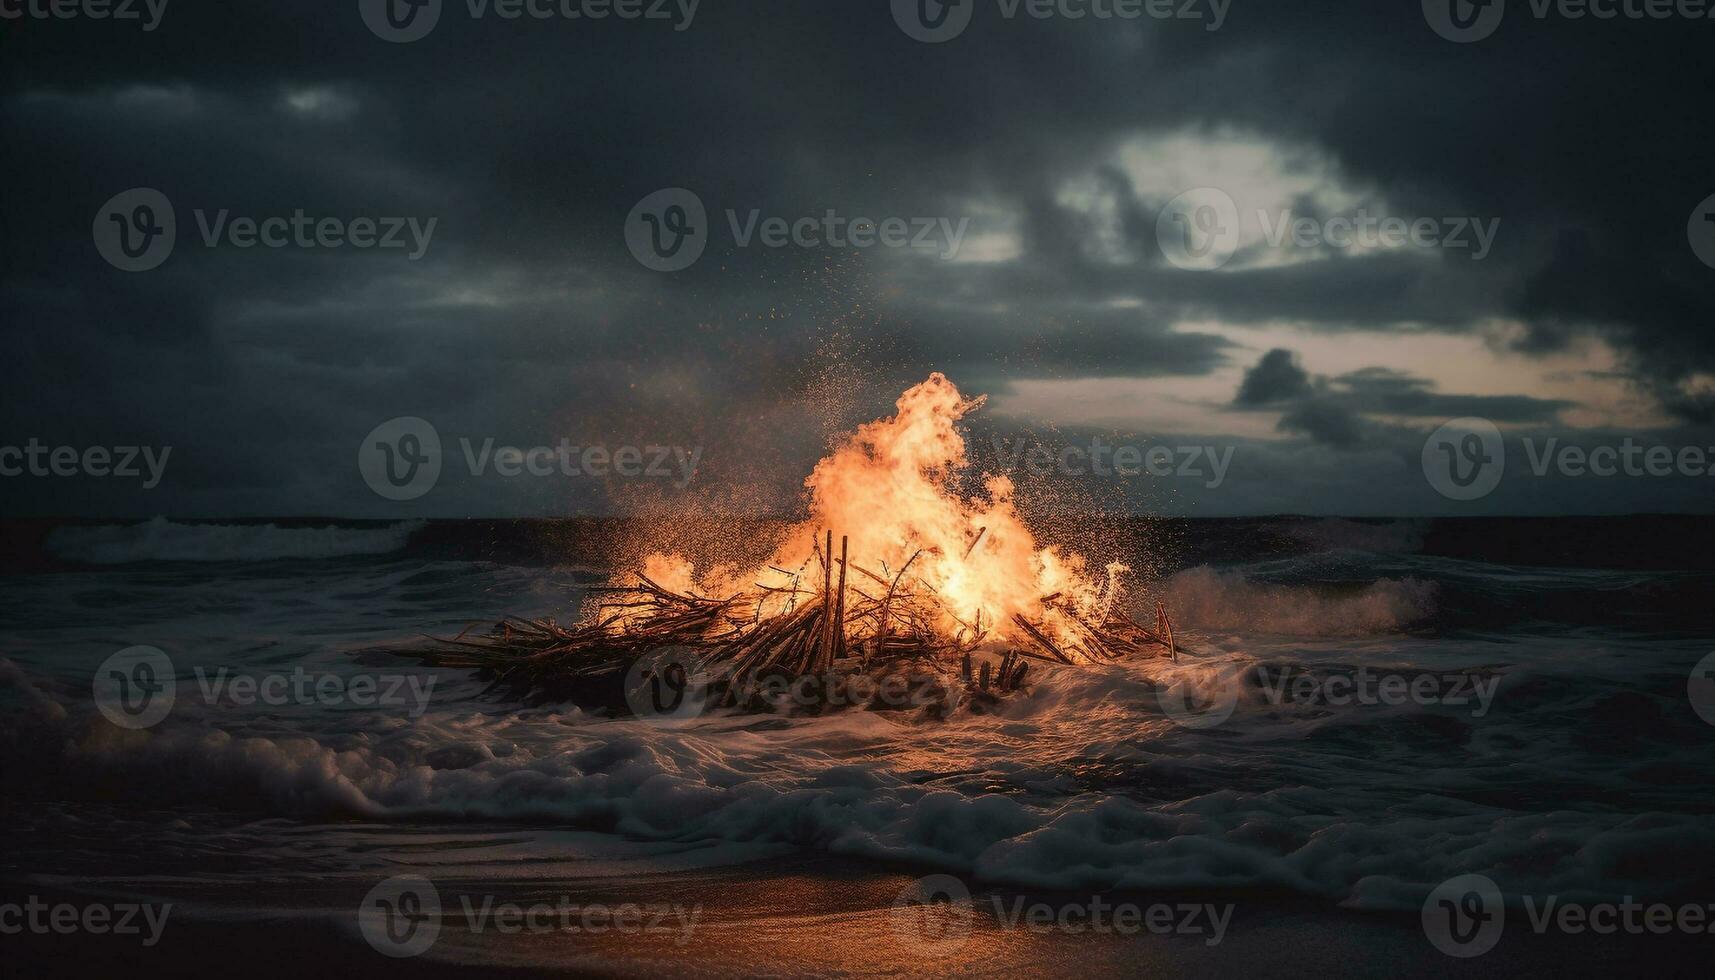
1055,144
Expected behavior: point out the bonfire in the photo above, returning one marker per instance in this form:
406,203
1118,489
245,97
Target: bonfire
891,576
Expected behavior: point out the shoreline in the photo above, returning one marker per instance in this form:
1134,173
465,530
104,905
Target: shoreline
800,915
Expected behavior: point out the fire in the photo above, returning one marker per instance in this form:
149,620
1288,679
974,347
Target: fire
887,491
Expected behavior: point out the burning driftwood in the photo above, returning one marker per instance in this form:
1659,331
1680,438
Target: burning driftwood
847,627
939,584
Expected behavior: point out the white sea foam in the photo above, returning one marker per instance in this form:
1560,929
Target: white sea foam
1584,778
1025,797
1216,599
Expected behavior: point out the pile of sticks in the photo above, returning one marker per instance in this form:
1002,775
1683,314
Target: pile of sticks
840,619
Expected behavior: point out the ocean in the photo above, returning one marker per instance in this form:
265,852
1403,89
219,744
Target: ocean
1362,712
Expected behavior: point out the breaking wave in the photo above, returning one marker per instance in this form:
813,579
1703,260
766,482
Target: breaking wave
1228,600
869,787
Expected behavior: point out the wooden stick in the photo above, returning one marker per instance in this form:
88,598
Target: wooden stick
1167,629
892,586
1040,639
975,541
840,606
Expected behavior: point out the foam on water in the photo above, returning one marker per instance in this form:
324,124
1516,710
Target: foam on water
1217,599
1588,775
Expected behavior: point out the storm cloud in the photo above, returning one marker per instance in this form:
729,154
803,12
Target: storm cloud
1058,143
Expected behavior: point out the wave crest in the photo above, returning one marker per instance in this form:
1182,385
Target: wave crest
1211,599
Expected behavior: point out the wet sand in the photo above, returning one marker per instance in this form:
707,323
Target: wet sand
795,917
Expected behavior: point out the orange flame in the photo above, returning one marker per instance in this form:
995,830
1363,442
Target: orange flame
889,488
